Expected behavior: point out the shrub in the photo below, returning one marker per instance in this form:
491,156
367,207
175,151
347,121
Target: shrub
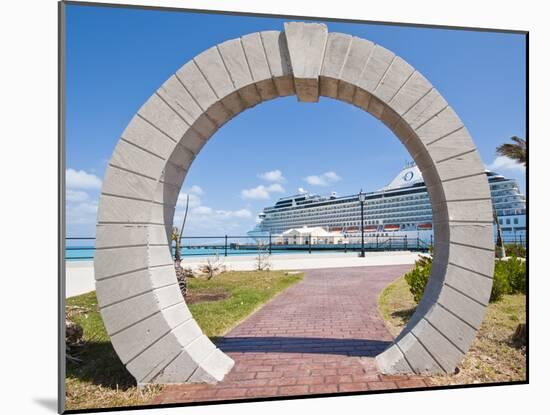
516,250
514,271
418,277
500,286
212,267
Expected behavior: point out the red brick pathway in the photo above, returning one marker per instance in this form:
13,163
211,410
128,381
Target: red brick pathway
319,336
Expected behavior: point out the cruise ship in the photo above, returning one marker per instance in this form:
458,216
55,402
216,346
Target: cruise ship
401,208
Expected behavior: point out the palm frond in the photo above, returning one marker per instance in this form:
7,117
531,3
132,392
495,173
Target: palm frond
517,151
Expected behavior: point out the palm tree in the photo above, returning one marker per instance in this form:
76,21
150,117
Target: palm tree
500,251
176,237
517,151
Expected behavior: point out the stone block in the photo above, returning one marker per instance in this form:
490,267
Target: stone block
306,45
460,166
192,141
470,210
213,368
146,136
112,290
455,330
116,209
160,255
452,144
361,99
395,77
389,117
179,370
474,187
417,356
120,235
474,285
176,96
442,350
474,234
441,124
166,194
276,51
475,259
157,235
259,68
392,361
412,91
197,86
163,117
335,56
113,261
131,342
233,56
430,105
130,157
375,68
213,69
124,183
357,56
126,313
465,308
149,365
180,162
376,107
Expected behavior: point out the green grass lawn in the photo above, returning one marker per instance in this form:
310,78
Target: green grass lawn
100,380
492,356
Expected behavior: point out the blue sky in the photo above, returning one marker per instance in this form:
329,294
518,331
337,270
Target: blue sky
116,58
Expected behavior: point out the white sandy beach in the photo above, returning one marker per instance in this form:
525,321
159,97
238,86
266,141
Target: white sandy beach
80,274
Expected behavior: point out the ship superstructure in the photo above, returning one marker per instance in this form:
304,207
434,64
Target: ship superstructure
401,208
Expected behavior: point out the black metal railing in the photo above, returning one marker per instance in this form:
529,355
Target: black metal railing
77,248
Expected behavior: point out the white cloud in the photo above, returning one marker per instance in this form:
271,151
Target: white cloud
205,219
261,191
272,176
76,196
217,221
81,180
275,188
324,179
196,190
194,200
301,190
81,213
504,163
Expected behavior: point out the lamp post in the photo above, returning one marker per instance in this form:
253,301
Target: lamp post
362,197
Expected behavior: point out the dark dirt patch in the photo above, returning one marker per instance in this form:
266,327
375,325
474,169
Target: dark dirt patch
194,298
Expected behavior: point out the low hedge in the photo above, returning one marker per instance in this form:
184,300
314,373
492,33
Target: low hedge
510,277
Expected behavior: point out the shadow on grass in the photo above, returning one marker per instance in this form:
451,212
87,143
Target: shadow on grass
99,365
404,315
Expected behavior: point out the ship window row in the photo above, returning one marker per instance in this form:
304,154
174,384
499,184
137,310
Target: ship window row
508,221
352,214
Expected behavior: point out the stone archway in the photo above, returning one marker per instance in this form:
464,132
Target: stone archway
143,310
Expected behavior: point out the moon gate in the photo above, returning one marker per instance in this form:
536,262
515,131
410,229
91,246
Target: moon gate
145,314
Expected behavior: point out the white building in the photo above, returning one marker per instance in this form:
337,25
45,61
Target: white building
305,235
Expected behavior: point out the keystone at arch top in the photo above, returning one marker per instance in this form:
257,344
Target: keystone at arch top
145,314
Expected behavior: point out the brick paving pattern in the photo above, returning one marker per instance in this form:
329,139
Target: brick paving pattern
319,336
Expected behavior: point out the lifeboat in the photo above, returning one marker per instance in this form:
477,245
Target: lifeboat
424,226
391,227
